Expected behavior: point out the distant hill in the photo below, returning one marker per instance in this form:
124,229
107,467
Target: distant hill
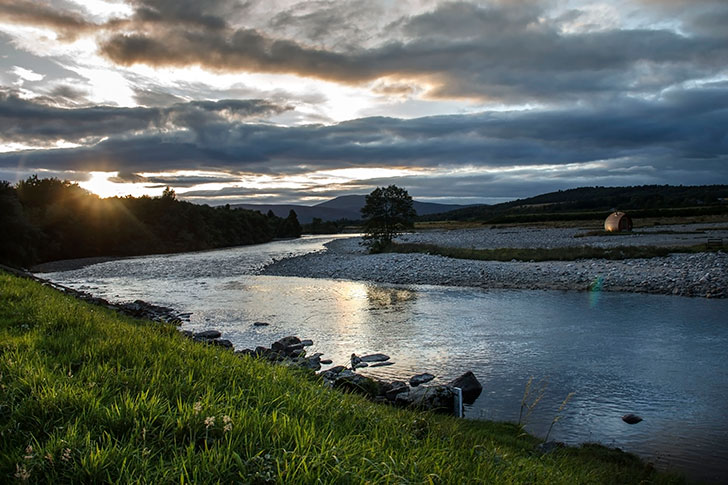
588,202
344,207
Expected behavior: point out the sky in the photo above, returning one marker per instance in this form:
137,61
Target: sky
284,101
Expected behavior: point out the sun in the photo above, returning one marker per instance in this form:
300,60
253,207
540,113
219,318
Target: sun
98,183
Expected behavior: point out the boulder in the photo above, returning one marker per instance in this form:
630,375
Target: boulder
631,418
381,364
470,386
307,342
420,379
208,334
392,389
284,343
431,398
260,324
375,358
225,343
326,361
296,352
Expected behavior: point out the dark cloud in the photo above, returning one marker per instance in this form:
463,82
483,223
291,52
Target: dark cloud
682,131
507,52
33,12
31,121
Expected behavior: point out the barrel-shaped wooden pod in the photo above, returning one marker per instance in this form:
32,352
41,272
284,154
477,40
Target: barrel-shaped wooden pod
618,221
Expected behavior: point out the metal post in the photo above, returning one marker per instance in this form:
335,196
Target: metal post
458,402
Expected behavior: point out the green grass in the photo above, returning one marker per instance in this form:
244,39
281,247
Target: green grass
88,396
546,254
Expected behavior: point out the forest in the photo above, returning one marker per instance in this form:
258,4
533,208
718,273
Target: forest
47,219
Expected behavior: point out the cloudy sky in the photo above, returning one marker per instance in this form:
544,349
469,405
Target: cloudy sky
280,101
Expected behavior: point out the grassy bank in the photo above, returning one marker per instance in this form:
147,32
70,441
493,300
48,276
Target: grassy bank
89,396
546,254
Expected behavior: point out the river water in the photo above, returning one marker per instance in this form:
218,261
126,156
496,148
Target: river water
661,357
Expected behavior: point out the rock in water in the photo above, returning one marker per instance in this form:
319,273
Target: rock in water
470,386
260,324
375,358
631,418
420,379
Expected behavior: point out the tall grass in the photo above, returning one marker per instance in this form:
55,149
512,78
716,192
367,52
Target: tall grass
88,396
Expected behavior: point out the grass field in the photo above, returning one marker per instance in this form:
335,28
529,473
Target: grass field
87,396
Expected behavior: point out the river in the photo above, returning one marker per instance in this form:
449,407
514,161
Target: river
661,357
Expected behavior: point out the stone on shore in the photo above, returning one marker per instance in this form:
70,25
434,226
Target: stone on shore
225,343
392,389
434,398
286,343
208,334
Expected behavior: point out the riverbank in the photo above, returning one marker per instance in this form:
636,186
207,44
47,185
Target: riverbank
697,275
89,395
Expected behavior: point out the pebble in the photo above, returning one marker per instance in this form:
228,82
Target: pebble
682,274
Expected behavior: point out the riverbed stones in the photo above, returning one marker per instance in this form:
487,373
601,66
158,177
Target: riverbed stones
679,274
418,379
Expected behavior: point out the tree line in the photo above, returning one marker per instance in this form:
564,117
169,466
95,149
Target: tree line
567,204
47,219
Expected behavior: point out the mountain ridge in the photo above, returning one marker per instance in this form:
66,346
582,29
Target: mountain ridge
342,207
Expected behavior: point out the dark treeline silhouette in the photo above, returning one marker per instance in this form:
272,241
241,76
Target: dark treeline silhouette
49,219
585,202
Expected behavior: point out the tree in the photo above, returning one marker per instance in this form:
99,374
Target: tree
388,212
169,194
289,227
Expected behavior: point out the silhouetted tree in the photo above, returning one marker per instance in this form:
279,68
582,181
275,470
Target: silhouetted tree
290,227
388,212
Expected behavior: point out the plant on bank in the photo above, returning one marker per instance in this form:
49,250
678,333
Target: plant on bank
388,212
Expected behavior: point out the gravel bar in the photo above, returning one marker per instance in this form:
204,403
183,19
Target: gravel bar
699,275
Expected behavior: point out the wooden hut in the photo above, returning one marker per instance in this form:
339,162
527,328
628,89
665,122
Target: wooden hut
618,221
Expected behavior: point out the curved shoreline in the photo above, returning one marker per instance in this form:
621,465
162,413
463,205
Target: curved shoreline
696,275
